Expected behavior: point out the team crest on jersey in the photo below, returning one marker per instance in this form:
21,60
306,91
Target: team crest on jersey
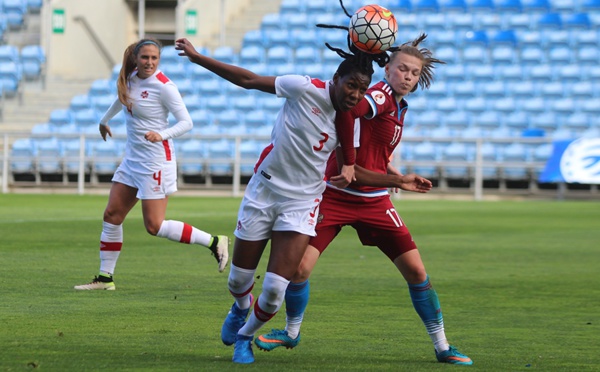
320,218
144,94
378,97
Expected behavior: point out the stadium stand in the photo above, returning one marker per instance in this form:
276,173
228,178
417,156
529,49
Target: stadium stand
515,68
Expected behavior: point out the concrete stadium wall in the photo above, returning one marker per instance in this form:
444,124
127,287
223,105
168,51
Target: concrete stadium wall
73,54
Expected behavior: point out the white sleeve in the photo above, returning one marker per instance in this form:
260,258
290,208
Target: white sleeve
291,86
356,132
171,98
114,109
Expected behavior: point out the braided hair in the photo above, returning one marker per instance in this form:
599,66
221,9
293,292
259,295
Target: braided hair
355,58
425,55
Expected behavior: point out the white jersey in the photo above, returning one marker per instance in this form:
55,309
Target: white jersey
302,139
152,100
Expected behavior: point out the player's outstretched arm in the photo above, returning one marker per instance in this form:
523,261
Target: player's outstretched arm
406,182
234,74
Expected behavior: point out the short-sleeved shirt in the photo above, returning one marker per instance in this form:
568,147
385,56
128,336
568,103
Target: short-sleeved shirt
303,137
380,133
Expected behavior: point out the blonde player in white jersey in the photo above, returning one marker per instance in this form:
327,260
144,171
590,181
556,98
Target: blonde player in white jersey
149,169
282,198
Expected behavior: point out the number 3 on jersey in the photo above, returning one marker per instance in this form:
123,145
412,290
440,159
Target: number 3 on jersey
321,142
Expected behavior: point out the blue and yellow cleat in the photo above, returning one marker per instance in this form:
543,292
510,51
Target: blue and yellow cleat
277,337
453,356
242,352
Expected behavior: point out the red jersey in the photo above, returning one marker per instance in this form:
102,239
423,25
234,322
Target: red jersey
381,123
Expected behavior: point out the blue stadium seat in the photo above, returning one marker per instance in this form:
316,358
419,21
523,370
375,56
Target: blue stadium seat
489,154
592,73
493,89
81,102
487,120
439,90
307,55
102,102
584,90
482,6
490,22
281,38
577,21
206,89
273,22
509,6
549,21
33,59
588,56
534,106
450,55
434,22
85,118
453,6
476,105
447,105
22,156
461,22
504,105
175,71
553,90
191,157
541,6
71,155
465,90
249,152
220,155
546,121
186,87
455,73
508,73
225,54
520,22
256,118
400,6
201,117
562,134
521,90
517,154
15,12
503,55
428,120
532,55
557,38
577,122
195,102
105,157
541,73
10,78
482,73
292,7
306,38
426,6
590,5
279,55
253,38
529,38
169,54
563,107
569,73
585,38
49,155
43,129
34,6
504,37
300,21
475,54
541,153
252,54
408,23
245,103
60,117
458,120
517,120
479,37
457,152
425,151
101,87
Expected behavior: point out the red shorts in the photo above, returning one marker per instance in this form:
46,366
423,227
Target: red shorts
374,219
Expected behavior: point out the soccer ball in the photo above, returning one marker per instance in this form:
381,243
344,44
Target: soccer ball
373,29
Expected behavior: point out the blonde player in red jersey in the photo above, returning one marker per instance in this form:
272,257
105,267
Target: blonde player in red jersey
366,206
149,169
282,198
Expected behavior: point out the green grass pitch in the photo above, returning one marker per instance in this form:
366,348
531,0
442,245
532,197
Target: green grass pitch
519,284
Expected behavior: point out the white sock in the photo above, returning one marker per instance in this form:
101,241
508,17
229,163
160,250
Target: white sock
240,285
439,341
111,241
268,304
182,232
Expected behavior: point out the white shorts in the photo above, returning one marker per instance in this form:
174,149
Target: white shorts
263,211
153,180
